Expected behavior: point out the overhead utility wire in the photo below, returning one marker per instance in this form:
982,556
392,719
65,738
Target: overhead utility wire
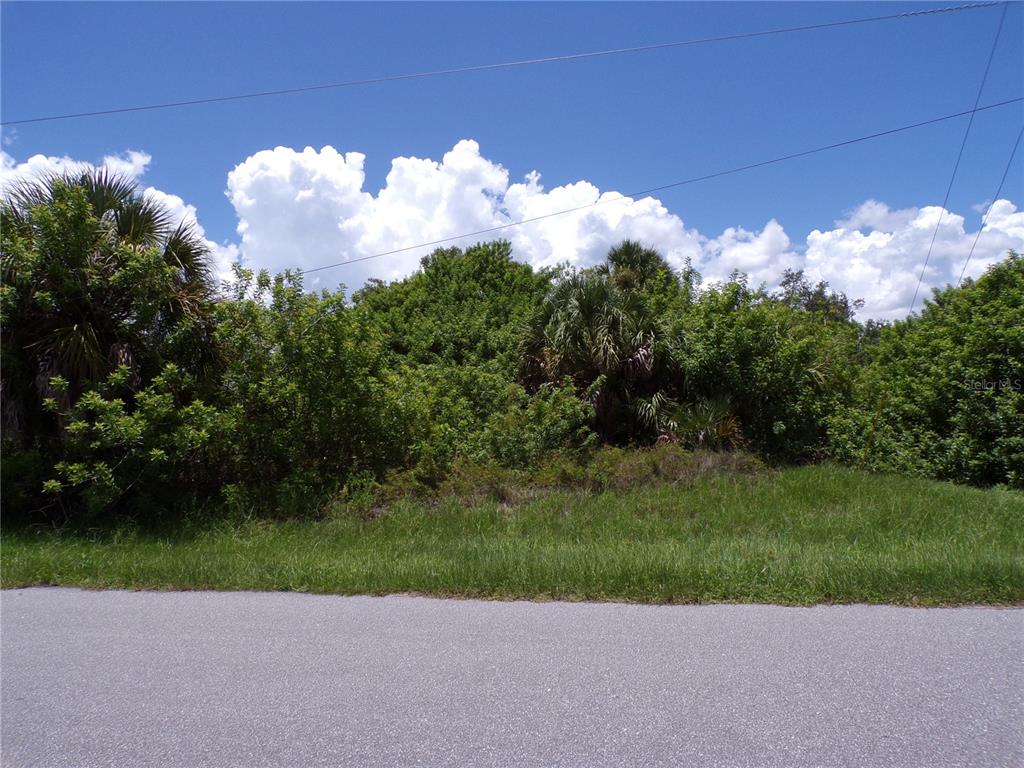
503,65
674,184
959,156
995,197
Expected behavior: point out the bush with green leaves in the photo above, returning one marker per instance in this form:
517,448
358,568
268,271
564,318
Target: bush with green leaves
783,369
532,428
943,393
129,385
708,425
449,408
471,414
460,308
315,399
125,452
452,330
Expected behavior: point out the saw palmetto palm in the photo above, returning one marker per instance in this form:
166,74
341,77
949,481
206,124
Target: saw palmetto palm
96,275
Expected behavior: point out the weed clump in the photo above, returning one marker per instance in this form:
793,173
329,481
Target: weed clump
607,469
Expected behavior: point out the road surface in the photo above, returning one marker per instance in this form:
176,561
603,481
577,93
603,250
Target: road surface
250,679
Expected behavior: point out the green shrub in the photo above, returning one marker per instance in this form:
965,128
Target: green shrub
316,402
449,409
561,470
783,369
462,308
943,394
129,387
708,425
533,427
137,457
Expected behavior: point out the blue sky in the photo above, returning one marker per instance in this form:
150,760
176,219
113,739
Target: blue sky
622,123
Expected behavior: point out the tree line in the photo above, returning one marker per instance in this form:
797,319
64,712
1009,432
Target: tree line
132,383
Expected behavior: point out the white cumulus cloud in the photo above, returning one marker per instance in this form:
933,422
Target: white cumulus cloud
763,255
874,253
131,163
308,209
881,259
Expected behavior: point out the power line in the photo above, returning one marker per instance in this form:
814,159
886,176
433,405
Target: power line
674,184
960,154
505,64
995,197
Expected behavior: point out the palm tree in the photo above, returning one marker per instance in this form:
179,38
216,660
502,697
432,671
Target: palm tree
608,343
95,275
634,266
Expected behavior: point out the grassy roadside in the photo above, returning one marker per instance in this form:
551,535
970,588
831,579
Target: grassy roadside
800,536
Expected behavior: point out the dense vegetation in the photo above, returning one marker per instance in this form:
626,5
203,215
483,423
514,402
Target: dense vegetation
134,386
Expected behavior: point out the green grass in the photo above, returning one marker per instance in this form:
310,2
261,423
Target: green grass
799,536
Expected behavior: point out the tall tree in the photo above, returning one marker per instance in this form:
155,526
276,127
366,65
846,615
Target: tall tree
95,276
606,340
460,308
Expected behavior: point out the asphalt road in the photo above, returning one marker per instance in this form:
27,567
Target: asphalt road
250,679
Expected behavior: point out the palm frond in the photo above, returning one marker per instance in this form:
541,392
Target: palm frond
72,351
140,221
188,254
23,194
633,265
107,191
708,424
